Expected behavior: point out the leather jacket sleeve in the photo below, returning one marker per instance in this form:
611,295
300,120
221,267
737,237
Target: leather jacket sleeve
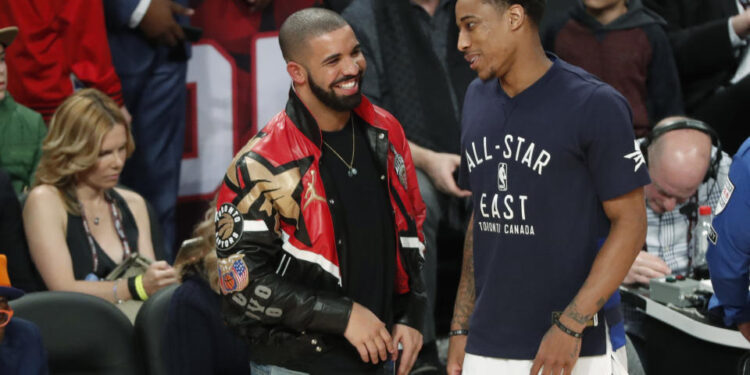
249,248
410,308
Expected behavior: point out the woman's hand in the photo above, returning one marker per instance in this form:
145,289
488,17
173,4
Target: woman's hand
158,275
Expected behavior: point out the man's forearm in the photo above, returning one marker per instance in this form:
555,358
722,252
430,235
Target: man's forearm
420,155
626,236
466,294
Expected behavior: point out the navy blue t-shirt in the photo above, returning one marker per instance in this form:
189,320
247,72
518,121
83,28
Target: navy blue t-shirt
539,165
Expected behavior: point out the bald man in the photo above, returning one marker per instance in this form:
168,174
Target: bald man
677,162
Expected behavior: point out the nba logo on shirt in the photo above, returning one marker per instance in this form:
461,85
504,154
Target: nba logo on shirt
502,176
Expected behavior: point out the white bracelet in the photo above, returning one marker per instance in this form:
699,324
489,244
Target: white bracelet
114,293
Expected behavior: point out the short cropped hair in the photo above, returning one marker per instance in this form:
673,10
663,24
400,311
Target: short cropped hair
534,8
305,24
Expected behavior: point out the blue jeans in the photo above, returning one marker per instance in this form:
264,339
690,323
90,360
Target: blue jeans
256,369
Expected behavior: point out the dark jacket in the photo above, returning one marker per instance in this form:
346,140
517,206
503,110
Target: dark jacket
279,237
700,40
631,53
197,341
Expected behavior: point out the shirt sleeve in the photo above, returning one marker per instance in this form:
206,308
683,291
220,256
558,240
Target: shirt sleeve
733,37
463,180
41,133
663,83
612,154
122,13
729,245
88,48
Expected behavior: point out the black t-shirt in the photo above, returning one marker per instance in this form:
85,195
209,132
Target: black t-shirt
364,229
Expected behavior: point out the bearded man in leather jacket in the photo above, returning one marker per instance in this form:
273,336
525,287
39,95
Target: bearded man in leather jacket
319,221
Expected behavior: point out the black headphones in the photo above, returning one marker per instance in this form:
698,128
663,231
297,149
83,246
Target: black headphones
713,166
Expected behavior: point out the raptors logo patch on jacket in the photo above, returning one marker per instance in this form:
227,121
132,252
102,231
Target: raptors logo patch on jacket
278,260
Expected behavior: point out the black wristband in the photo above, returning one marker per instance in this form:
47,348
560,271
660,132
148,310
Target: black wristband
459,332
132,290
565,329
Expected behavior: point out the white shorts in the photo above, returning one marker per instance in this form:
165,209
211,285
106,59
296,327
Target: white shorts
608,363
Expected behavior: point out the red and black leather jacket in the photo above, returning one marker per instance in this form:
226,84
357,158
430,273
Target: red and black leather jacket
278,243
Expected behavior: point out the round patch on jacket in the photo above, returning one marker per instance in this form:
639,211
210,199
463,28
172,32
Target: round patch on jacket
233,275
229,225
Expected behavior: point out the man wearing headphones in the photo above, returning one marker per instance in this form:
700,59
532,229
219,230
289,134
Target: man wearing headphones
687,169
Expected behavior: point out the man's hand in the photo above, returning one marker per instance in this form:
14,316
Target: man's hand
646,267
368,335
557,352
159,25
741,23
456,353
744,329
411,341
126,114
440,168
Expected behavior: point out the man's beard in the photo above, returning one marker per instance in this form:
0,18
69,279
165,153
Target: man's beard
336,102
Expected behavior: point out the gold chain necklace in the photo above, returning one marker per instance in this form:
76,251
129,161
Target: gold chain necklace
350,165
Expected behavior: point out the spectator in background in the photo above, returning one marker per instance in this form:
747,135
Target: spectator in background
197,341
416,73
21,129
233,24
21,348
13,243
58,39
88,225
150,55
625,45
709,39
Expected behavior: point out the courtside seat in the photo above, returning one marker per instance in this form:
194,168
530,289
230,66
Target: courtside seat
83,334
149,329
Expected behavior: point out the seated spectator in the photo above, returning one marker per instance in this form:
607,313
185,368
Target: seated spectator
686,172
729,247
197,341
625,45
21,347
709,39
21,129
13,243
78,225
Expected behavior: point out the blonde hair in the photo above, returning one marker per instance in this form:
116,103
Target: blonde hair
74,140
197,255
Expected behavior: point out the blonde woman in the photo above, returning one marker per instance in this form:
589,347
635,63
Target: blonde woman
79,226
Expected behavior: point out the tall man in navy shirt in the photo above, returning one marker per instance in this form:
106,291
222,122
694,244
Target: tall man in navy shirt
549,155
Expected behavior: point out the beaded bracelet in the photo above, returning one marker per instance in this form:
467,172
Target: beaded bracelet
565,329
114,292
